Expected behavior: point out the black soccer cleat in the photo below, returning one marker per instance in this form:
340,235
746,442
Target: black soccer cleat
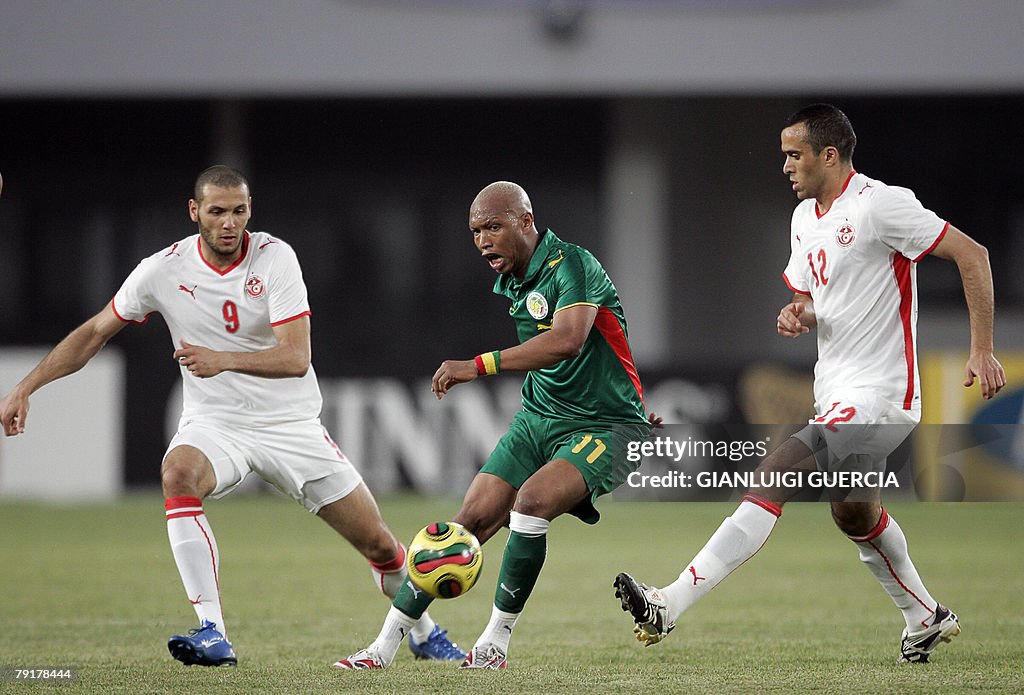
648,608
915,647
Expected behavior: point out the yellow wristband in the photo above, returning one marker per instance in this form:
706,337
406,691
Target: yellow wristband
488,363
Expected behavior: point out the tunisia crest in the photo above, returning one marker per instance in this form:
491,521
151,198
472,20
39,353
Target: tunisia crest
845,235
254,286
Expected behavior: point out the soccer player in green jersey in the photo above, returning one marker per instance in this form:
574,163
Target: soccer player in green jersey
582,404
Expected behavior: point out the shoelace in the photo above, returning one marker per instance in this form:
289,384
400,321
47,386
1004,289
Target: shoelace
194,632
445,645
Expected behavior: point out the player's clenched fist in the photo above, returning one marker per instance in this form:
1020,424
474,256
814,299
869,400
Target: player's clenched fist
13,411
452,372
790,322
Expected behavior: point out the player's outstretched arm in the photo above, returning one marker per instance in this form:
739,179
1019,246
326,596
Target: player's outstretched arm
67,357
971,259
797,317
289,358
564,340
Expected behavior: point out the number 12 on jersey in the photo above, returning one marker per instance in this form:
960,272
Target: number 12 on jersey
820,278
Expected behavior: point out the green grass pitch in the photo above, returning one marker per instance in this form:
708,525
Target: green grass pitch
94,588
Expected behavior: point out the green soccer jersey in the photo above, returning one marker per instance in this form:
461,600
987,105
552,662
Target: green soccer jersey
601,383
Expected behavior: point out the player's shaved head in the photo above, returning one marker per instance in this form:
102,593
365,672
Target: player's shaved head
220,176
503,195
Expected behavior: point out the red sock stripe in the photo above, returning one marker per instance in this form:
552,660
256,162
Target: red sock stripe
763,504
392,565
900,581
883,523
185,505
213,562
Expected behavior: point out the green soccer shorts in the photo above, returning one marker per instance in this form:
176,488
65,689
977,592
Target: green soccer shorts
597,449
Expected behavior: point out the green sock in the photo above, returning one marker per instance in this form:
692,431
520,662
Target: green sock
520,567
412,603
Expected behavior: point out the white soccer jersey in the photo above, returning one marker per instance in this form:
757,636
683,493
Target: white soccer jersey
227,310
858,263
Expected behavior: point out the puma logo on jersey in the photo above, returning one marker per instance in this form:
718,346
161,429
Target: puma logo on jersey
189,291
173,251
267,243
543,327
693,571
866,187
511,592
561,257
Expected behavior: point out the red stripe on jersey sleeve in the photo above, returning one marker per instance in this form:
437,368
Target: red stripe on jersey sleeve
113,307
901,270
945,228
790,286
609,327
291,318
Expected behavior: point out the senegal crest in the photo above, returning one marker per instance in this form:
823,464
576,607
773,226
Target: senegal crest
537,305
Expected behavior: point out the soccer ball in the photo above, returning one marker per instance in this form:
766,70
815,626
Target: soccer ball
444,559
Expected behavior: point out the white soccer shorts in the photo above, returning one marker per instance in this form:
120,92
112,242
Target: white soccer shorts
299,458
856,423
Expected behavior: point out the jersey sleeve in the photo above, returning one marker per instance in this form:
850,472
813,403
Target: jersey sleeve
572,282
287,291
134,302
794,275
903,224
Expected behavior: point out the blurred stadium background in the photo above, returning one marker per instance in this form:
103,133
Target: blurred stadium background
646,131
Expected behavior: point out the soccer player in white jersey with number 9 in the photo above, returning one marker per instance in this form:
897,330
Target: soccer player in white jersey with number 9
236,307
855,243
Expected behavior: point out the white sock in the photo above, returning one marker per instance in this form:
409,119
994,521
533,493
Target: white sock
396,626
422,629
499,629
884,551
736,540
389,577
195,552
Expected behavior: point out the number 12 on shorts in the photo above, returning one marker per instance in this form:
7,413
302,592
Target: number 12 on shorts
599,447
845,415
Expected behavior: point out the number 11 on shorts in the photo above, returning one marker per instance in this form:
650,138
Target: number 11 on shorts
599,447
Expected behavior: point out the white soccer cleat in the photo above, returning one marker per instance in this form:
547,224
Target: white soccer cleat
486,656
363,660
648,608
915,647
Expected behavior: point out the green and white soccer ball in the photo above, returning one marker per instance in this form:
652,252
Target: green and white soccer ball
444,559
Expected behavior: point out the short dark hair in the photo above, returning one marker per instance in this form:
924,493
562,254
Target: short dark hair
220,176
826,125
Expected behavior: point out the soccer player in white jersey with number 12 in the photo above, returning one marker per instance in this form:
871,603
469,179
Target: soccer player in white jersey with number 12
855,244
236,307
